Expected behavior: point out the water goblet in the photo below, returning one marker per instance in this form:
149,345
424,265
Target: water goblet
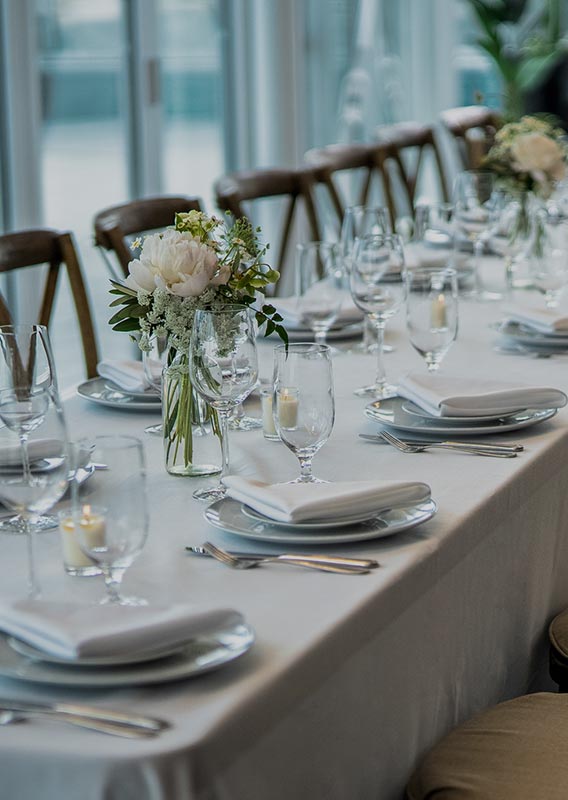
34,468
550,270
475,213
379,291
318,286
432,312
303,401
26,362
361,221
224,370
153,362
113,532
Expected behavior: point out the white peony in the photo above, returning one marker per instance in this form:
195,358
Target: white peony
539,155
176,262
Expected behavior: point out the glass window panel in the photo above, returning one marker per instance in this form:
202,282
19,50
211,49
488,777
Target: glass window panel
190,53
83,148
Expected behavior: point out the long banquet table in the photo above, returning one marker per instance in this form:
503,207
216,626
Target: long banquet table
351,679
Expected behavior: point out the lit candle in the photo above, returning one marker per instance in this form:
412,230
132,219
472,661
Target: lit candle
268,427
93,524
288,408
438,315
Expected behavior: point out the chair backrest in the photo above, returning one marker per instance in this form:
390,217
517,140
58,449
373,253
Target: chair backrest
473,128
31,248
330,161
113,225
412,143
294,185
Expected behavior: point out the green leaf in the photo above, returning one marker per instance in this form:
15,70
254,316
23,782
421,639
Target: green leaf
122,301
534,70
268,309
127,325
128,312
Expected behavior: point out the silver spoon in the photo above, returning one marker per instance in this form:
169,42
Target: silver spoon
13,717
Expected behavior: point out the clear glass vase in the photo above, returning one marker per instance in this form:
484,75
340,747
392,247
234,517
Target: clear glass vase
523,231
190,427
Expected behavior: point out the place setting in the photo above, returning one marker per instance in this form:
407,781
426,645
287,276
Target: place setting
126,384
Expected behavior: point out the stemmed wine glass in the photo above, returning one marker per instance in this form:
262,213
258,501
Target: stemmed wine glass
359,221
224,370
303,401
432,312
113,532
153,363
318,286
475,213
550,271
34,459
379,291
27,367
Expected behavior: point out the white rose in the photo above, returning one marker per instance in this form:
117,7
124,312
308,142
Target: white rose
538,154
176,262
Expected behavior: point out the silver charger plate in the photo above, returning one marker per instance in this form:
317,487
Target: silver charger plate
313,525
391,413
335,334
416,411
227,515
35,653
97,391
205,653
527,335
148,396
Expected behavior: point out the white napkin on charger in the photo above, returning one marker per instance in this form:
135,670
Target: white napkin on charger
288,308
444,396
68,630
297,502
544,320
126,374
11,455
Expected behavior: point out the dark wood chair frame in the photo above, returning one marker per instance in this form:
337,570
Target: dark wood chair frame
463,122
34,247
114,224
232,191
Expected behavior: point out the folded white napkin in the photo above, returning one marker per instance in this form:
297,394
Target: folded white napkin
544,320
297,502
444,396
288,308
128,375
68,630
11,455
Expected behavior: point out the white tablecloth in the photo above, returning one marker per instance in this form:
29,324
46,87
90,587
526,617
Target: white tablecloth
351,678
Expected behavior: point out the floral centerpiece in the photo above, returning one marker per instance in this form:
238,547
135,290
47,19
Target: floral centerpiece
528,158
198,263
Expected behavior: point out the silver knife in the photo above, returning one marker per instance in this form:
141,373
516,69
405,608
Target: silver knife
121,718
365,563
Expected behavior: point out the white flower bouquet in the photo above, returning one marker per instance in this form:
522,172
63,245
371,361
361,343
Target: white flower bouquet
198,263
528,156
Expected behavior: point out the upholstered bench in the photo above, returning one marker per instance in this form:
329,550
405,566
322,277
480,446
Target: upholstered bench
517,750
558,636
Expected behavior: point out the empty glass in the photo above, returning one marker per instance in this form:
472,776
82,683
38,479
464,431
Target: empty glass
224,370
34,467
550,270
432,245
303,401
27,368
319,286
475,213
432,312
112,531
379,291
153,362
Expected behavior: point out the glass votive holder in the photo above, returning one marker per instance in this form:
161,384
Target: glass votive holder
287,407
266,401
75,561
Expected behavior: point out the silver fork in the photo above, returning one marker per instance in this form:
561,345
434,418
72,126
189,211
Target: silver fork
247,563
404,447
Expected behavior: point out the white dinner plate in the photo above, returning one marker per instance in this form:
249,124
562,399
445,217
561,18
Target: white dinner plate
203,654
97,391
312,525
416,411
527,335
30,651
227,515
392,414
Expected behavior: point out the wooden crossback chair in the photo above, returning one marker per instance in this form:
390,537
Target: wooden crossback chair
115,226
235,191
473,128
34,247
333,161
412,143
